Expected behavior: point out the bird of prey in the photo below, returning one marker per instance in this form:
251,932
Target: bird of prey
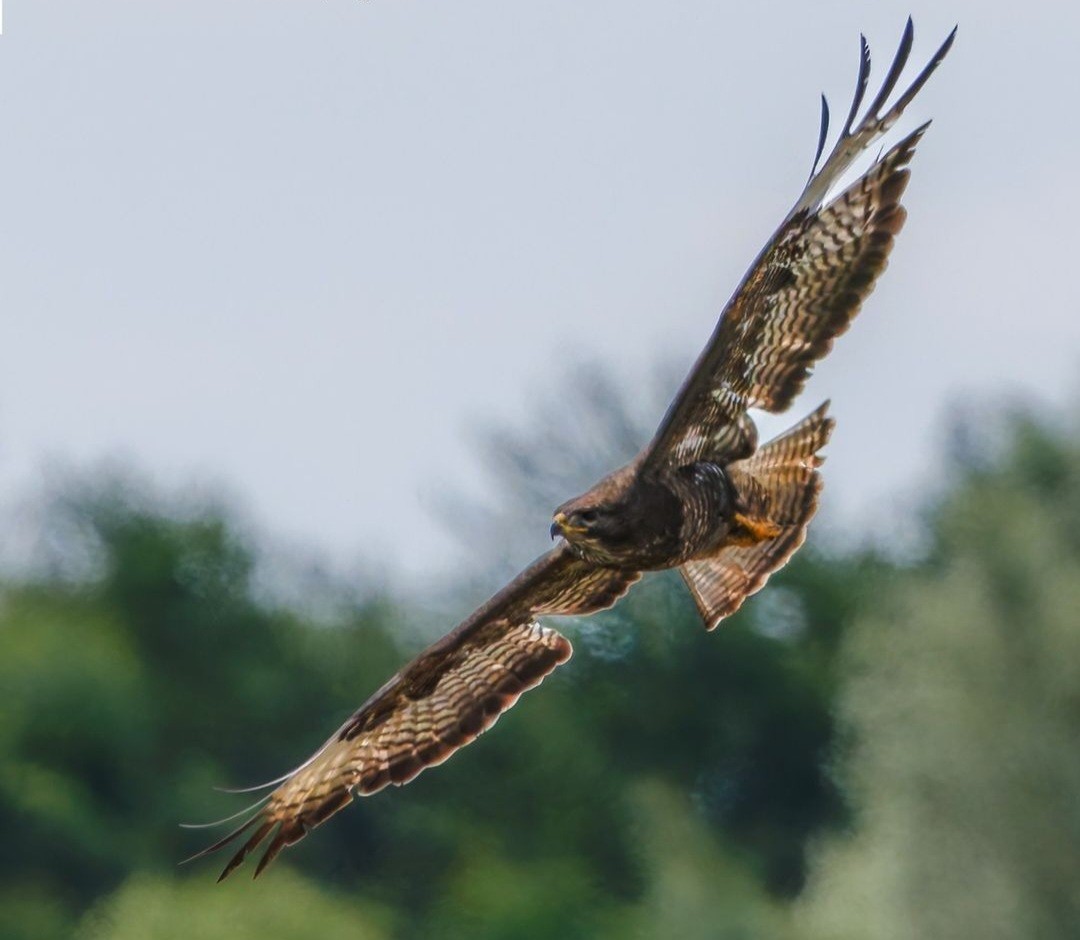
702,496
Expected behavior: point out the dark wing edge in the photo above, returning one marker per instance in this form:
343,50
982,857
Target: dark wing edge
806,285
445,698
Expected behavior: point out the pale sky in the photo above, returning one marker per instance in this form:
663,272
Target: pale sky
298,250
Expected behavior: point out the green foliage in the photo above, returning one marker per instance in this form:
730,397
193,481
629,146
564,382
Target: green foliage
694,889
964,701
138,690
148,907
667,782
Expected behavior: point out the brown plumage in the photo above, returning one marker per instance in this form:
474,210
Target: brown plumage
701,496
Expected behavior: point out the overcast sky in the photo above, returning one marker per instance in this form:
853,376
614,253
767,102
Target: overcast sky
298,249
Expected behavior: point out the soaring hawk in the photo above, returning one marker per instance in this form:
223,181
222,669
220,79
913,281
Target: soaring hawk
702,496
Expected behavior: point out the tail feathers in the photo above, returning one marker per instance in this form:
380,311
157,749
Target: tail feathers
797,446
781,484
720,584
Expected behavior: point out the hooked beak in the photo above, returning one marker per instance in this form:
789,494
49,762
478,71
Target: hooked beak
562,526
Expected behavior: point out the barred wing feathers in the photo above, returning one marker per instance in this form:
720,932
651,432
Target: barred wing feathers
804,288
446,697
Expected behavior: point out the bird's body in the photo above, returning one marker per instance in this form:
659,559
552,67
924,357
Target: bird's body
701,497
669,515
649,522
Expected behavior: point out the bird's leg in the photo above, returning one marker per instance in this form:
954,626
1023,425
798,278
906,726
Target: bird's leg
749,530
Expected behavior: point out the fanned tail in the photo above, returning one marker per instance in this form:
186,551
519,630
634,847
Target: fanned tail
781,484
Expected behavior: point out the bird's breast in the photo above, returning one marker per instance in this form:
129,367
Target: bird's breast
707,499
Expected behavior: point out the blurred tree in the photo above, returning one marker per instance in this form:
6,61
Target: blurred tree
137,690
145,670
667,780
694,889
154,908
964,704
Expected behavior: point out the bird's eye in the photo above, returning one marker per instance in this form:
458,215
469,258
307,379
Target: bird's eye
588,516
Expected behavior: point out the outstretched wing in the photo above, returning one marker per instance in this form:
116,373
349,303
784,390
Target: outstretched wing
442,700
804,288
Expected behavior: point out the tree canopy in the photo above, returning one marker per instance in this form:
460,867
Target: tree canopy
871,748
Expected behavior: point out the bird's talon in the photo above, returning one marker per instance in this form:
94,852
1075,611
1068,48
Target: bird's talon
750,531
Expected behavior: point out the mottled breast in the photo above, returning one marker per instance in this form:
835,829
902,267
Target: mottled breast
708,502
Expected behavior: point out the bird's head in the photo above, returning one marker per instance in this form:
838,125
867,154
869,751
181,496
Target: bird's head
602,523
581,521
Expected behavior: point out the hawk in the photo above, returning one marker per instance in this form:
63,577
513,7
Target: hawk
702,496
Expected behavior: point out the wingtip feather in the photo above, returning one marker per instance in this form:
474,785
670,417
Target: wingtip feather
900,60
245,850
823,133
862,81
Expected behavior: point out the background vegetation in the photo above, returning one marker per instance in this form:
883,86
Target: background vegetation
873,748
